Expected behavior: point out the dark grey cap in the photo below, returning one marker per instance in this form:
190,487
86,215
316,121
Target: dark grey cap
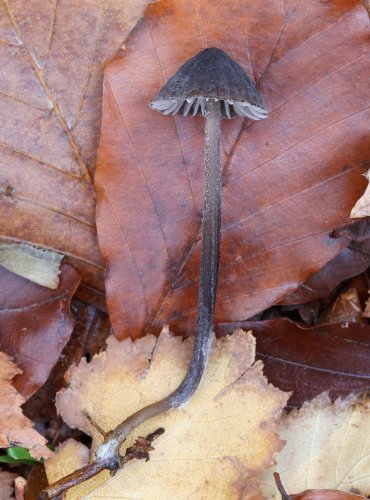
211,74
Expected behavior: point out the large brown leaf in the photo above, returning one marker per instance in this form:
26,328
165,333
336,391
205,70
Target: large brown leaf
51,59
332,357
288,181
35,325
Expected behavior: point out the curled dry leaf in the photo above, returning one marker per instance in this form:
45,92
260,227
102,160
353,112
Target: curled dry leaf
214,445
15,428
51,70
328,447
35,325
279,211
332,357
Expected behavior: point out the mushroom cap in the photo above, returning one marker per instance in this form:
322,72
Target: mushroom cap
211,74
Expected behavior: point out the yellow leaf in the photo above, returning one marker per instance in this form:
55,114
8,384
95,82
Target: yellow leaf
213,447
328,447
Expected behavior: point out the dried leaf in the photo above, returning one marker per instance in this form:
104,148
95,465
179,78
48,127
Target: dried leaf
214,445
15,428
328,447
332,357
51,60
35,325
35,264
149,178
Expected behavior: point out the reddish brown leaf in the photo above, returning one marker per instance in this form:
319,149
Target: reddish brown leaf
51,70
289,181
308,361
35,324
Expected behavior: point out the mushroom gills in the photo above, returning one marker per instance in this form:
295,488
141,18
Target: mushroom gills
197,106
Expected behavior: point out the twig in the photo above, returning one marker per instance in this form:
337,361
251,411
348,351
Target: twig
140,450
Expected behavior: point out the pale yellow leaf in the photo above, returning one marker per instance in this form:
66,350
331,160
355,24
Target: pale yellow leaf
213,447
328,447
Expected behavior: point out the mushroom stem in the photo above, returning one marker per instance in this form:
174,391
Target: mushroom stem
207,290
210,249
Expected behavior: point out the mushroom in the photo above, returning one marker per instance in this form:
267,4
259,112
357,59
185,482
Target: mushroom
213,85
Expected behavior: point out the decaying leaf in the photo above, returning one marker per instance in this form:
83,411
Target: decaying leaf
214,446
278,210
6,484
307,361
15,428
51,69
328,447
35,264
35,325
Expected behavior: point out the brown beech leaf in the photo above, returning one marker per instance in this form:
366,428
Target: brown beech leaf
327,447
51,70
332,357
15,428
289,181
35,325
212,447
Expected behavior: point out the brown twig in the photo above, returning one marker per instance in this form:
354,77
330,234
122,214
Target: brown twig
140,451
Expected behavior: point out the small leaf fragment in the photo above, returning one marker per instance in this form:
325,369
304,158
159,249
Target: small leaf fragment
35,264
